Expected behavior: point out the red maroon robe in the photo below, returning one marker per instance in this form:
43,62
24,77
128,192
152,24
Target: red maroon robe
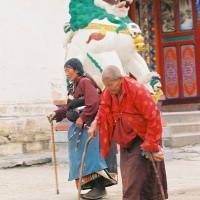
84,88
135,113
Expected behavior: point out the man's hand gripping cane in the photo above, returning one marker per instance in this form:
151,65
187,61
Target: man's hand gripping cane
93,129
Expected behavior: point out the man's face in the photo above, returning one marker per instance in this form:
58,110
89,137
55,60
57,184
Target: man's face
113,86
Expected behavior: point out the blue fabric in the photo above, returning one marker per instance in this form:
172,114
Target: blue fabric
144,153
93,160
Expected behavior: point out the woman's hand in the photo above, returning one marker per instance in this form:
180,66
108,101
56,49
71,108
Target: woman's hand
93,129
51,117
79,123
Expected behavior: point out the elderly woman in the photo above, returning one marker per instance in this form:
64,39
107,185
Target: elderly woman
98,172
129,116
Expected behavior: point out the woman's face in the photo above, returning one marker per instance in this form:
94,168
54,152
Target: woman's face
71,74
113,86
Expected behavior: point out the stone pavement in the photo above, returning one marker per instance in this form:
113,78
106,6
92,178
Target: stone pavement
29,180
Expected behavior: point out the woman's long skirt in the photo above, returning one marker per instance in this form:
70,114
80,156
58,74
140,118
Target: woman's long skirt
94,166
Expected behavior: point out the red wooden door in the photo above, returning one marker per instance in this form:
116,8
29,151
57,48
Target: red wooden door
178,48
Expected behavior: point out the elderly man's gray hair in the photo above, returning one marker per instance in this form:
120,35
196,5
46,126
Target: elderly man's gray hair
111,72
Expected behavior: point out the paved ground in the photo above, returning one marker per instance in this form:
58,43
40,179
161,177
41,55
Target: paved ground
37,182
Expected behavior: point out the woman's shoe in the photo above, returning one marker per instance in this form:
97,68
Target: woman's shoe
94,193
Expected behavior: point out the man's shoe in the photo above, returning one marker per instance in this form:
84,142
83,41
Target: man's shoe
94,193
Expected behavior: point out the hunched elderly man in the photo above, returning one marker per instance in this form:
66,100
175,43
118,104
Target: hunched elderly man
129,116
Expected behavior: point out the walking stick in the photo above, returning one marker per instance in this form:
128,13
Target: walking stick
54,156
82,163
157,176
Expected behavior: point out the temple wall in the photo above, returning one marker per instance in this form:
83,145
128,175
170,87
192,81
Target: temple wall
31,71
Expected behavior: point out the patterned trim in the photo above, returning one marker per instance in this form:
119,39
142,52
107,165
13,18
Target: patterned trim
86,179
107,27
189,70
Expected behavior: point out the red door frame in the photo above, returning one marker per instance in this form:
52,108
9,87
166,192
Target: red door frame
160,45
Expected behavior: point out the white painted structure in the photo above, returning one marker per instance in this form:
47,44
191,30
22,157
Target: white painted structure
31,49
31,71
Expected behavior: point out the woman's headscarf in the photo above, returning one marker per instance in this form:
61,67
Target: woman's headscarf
76,65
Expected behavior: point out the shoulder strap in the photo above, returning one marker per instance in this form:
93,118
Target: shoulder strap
93,81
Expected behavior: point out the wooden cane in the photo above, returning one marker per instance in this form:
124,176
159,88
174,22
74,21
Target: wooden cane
54,156
157,176
82,164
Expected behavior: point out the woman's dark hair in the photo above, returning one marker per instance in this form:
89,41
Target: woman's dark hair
75,64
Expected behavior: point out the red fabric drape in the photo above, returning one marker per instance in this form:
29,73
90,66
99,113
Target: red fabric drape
134,109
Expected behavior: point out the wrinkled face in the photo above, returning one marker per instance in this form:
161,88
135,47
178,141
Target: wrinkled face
113,86
71,74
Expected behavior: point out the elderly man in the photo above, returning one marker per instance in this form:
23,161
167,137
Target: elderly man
129,116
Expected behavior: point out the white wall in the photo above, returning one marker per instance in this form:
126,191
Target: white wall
31,49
